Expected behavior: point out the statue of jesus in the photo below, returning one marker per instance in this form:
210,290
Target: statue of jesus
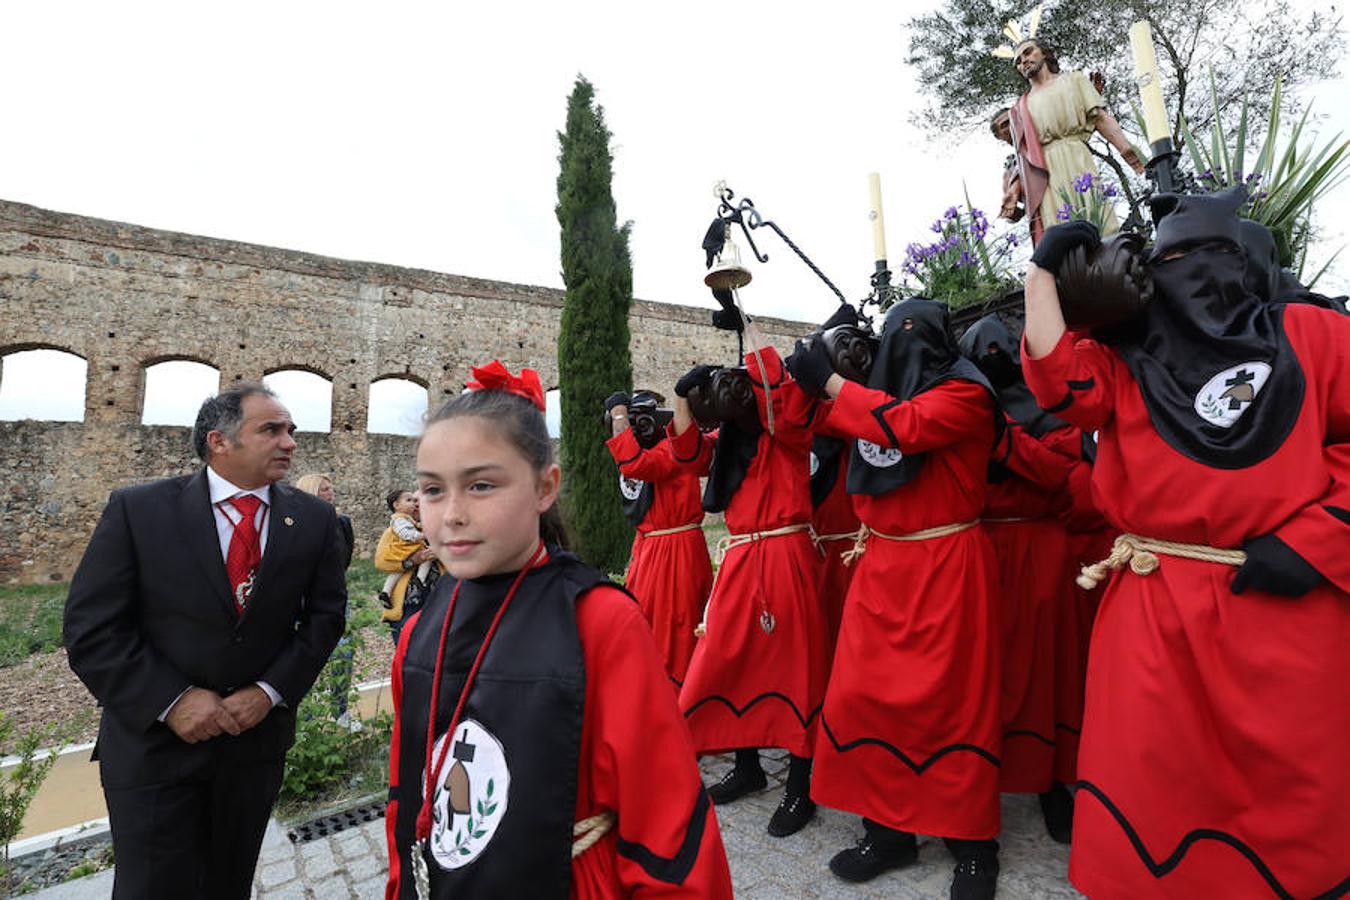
1050,126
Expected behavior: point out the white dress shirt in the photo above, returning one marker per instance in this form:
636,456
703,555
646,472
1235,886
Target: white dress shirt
226,516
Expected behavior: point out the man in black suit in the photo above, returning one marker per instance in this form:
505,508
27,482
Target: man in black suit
200,615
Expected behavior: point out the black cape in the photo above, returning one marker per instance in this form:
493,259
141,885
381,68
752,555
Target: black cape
910,360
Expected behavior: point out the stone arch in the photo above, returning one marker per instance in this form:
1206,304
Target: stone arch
44,382
174,386
396,404
553,412
307,392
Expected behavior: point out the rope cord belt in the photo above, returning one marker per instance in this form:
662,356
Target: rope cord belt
1141,554
692,526
821,539
589,830
860,543
1004,521
738,540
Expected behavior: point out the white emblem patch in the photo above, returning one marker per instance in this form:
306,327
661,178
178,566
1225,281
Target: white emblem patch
631,488
874,455
1228,395
815,464
470,798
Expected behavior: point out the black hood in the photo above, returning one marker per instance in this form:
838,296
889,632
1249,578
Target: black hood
1267,279
989,345
826,455
910,360
1220,381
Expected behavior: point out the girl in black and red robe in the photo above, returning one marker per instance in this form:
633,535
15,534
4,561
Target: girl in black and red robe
1213,758
669,571
758,674
537,748
910,733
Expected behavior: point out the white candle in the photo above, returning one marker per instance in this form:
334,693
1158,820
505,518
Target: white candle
878,223
1150,87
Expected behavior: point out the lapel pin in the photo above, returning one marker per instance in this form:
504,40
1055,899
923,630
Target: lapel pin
289,521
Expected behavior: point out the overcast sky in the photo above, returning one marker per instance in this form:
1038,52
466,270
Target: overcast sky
425,135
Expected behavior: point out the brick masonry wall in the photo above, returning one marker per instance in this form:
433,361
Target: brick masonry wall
125,297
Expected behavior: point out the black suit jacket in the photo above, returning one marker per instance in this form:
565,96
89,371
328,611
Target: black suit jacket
150,614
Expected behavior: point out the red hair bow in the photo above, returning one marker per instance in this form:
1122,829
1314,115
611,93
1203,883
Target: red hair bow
496,377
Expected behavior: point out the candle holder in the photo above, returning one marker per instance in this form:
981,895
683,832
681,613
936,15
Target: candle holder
749,218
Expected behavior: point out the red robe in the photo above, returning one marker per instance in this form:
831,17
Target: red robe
746,687
670,574
1213,759
1032,548
1090,539
835,516
910,732
636,761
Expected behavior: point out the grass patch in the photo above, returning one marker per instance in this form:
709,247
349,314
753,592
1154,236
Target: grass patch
31,614
30,620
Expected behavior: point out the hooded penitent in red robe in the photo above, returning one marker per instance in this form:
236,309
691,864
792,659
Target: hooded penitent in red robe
669,572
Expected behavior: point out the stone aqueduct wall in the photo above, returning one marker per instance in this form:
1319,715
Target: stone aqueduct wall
125,297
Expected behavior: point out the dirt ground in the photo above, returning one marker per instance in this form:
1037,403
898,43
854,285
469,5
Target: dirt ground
42,691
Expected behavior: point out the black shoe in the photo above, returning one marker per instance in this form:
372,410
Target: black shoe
875,854
791,815
736,784
1057,807
976,875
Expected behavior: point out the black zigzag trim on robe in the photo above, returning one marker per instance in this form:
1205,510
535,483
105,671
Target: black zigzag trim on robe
1064,404
1342,514
1158,869
1048,741
674,869
917,768
738,712
879,413
1023,732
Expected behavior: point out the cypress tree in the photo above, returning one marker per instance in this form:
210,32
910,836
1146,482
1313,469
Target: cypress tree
593,357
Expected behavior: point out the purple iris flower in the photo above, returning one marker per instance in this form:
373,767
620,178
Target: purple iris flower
1064,213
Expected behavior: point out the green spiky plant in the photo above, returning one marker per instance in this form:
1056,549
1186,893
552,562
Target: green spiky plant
1285,181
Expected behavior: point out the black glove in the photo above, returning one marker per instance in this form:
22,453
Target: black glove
1273,566
618,398
844,315
698,376
1056,243
728,320
810,365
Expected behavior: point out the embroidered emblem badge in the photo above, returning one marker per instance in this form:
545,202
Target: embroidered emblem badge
470,801
1229,394
631,488
874,455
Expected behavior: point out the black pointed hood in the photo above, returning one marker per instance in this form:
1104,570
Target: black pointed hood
1220,381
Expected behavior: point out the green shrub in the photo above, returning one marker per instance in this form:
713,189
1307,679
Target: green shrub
327,756
19,784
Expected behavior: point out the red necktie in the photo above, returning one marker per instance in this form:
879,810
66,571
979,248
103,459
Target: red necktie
241,562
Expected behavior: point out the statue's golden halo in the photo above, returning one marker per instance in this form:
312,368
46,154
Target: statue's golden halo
1012,29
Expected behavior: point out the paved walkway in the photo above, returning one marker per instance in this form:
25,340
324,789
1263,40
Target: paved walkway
352,864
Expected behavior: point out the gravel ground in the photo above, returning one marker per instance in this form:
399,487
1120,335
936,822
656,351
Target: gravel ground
42,690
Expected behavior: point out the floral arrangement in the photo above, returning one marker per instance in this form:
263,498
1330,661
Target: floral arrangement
1092,199
964,264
